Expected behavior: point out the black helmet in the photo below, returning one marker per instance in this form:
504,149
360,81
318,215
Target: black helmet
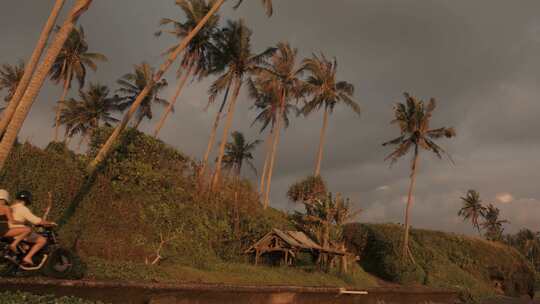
24,196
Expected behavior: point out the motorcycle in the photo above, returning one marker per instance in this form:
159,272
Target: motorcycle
51,260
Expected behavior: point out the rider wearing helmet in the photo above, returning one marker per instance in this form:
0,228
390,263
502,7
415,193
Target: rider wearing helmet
6,217
21,215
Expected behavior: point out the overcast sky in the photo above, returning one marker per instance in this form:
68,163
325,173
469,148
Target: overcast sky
480,59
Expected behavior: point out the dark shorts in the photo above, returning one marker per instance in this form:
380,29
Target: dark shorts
33,237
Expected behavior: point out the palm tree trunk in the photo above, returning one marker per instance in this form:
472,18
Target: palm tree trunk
277,131
406,251
30,66
212,139
321,144
226,128
105,149
266,160
60,103
39,78
138,122
172,102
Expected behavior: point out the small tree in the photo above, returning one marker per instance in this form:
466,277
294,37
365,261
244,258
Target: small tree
493,224
472,208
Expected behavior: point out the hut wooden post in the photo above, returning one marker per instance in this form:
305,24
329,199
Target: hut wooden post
256,257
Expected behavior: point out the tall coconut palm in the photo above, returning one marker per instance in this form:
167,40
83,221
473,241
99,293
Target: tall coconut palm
267,104
105,149
238,152
72,62
132,84
196,57
493,224
413,118
238,61
7,114
282,74
326,92
26,101
10,77
94,106
472,208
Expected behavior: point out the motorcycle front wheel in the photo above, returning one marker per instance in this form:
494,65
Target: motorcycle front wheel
60,264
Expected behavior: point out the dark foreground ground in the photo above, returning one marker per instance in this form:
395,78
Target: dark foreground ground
134,293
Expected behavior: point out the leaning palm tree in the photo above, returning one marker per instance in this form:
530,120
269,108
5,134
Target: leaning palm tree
85,115
238,152
7,114
35,84
107,146
196,57
237,61
10,77
493,224
282,74
132,84
73,62
472,208
326,92
413,118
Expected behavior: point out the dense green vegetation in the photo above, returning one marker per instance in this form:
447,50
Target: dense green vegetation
146,201
27,298
476,267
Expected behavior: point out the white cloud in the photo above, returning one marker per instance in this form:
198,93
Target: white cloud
504,198
383,188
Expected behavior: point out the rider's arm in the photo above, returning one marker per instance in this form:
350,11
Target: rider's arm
29,216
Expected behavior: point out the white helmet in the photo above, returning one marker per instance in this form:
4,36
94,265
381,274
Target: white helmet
4,195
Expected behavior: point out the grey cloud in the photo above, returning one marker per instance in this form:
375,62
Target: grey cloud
478,58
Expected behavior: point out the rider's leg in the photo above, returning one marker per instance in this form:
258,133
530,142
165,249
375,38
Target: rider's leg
18,234
39,243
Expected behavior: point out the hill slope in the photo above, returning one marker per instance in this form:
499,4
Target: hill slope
474,266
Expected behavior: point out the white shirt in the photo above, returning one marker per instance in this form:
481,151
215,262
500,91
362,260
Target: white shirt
22,214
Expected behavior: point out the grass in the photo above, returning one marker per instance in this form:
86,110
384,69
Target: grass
27,298
226,273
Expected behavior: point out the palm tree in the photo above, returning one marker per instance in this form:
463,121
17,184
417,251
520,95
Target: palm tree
7,114
282,75
493,224
472,208
327,92
267,104
72,62
196,57
25,104
131,86
413,118
237,61
83,116
238,152
266,3
10,77
105,149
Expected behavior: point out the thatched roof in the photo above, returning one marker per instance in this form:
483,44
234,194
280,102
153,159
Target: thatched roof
295,239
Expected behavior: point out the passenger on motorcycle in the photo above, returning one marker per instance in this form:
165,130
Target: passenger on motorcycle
21,215
6,217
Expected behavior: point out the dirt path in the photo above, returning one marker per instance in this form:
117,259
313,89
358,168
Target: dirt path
138,293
